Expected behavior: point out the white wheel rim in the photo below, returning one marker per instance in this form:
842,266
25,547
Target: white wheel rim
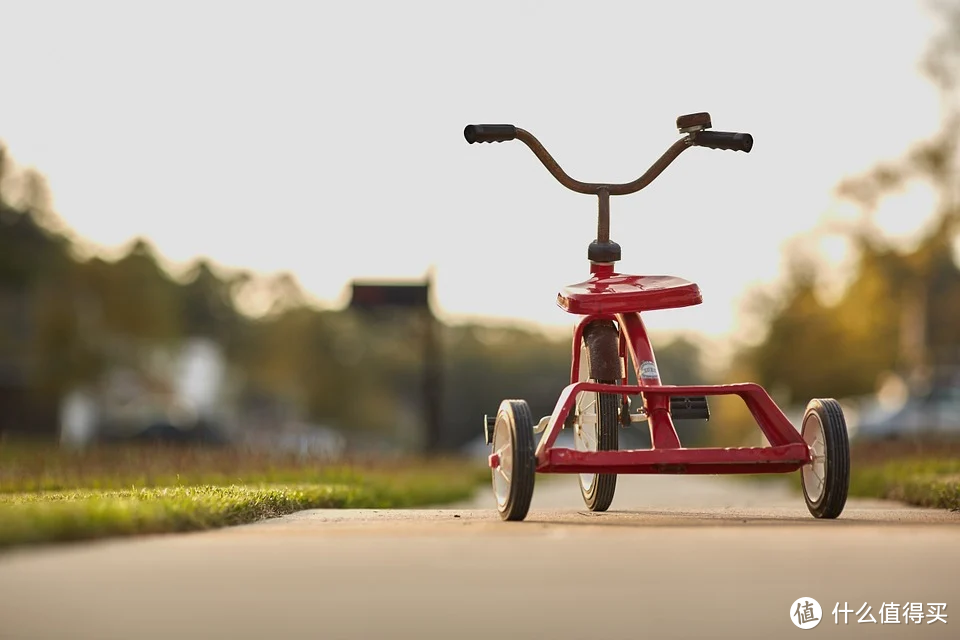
586,422
503,474
814,473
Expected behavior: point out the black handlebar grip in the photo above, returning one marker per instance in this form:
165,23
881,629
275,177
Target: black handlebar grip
489,132
724,140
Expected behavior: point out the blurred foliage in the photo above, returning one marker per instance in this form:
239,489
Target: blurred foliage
78,318
899,312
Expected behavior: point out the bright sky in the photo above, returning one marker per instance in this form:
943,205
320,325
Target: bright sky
326,138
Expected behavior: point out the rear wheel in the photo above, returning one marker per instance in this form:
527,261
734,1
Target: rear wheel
514,475
597,414
826,479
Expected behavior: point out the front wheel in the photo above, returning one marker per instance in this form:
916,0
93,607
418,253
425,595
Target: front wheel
597,416
826,479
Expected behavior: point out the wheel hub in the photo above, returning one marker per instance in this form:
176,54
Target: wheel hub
814,472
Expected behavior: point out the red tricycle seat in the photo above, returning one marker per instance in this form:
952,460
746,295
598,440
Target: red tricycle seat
619,293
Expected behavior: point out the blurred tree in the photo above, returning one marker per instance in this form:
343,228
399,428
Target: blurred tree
928,281
139,301
28,249
901,305
206,305
37,345
484,366
285,293
680,362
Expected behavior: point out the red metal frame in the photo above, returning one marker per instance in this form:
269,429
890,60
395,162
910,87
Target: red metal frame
787,451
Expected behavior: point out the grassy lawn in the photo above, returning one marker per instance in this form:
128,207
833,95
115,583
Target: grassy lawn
923,473
51,495
926,483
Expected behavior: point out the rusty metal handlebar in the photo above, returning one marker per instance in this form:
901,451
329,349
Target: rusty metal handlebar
695,137
504,132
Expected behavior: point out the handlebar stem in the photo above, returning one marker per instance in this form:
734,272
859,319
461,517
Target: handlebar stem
603,219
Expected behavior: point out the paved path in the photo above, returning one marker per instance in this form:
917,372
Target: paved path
676,557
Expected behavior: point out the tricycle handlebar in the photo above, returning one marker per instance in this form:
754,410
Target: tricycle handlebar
711,139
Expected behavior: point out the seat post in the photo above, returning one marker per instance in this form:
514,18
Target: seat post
603,250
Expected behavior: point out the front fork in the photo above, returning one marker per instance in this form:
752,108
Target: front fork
626,418
635,345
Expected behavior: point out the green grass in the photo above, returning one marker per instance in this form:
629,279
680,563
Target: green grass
918,481
920,471
50,495
26,467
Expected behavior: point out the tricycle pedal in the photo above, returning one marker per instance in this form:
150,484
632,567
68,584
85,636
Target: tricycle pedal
689,408
627,418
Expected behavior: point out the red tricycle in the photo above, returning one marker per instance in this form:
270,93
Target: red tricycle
597,402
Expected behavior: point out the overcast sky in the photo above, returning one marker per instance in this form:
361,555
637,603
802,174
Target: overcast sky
326,138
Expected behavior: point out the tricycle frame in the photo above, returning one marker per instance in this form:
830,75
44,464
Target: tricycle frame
786,452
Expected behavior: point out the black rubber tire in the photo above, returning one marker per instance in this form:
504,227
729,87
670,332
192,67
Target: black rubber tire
515,417
603,343
830,503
